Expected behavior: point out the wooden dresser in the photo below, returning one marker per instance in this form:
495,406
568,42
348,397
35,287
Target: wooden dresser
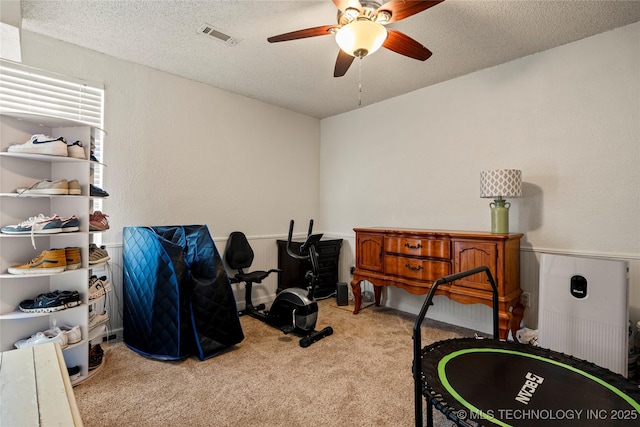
412,259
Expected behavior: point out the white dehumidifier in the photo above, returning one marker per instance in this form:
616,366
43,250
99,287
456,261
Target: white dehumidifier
584,309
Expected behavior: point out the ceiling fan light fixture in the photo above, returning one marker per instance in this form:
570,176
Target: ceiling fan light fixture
361,38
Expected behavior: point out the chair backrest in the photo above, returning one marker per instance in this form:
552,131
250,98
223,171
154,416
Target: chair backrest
238,253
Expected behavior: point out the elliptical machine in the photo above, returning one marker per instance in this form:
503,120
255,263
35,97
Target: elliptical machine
294,310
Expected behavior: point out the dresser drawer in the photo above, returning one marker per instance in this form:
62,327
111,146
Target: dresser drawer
414,268
418,246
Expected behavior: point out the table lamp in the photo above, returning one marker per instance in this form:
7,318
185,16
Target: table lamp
496,184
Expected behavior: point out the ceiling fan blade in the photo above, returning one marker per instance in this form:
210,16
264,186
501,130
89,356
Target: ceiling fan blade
342,63
405,45
303,34
400,9
344,4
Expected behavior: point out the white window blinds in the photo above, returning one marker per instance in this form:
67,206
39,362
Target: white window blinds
30,90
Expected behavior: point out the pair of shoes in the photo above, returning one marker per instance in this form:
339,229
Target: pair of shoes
95,356
98,319
97,254
51,302
76,150
42,144
64,335
47,262
95,191
50,335
98,221
59,187
98,287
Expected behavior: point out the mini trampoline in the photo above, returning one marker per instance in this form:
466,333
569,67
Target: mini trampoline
488,382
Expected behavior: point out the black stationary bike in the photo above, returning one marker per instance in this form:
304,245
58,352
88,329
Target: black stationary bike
294,310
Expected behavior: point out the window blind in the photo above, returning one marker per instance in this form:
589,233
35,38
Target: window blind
30,90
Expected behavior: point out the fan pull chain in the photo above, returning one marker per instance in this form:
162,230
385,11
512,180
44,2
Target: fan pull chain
360,82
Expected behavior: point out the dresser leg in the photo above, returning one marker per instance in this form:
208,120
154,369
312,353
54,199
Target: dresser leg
357,295
516,317
504,320
509,318
377,292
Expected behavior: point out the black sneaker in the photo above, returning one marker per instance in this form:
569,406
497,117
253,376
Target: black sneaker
43,303
70,298
95,356
51,302
97,192
74,372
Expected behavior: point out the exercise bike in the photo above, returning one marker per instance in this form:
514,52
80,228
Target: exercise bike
294,310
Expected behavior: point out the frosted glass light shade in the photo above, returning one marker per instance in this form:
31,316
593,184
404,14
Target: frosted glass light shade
361,38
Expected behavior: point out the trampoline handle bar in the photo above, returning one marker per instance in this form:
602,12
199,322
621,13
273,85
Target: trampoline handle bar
417,337
451,278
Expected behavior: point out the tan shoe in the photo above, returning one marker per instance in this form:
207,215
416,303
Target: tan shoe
74,260
59,187
74,187
76,150
47,262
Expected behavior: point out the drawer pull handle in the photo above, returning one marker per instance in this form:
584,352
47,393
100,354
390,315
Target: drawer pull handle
412,268
407,245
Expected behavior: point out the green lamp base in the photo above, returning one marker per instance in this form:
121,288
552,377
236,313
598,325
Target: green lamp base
500,216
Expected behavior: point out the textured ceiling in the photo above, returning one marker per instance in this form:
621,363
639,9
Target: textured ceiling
464,36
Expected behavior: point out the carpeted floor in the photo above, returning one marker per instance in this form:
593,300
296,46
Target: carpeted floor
359,376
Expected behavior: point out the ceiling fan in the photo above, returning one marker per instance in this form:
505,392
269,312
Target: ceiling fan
360,30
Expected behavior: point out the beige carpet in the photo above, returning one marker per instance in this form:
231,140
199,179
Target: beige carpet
359,376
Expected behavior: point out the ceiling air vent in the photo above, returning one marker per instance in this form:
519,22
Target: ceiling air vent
208,30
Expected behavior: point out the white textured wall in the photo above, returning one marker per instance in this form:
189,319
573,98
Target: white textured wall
181,152
568,117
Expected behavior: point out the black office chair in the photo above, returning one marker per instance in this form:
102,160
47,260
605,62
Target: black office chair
238,255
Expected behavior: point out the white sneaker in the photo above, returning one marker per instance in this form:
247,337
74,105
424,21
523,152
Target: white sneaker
98,319
42,144
98,286
51,335
74,334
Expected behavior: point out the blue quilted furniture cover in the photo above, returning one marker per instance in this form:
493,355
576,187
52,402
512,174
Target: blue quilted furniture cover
178,300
